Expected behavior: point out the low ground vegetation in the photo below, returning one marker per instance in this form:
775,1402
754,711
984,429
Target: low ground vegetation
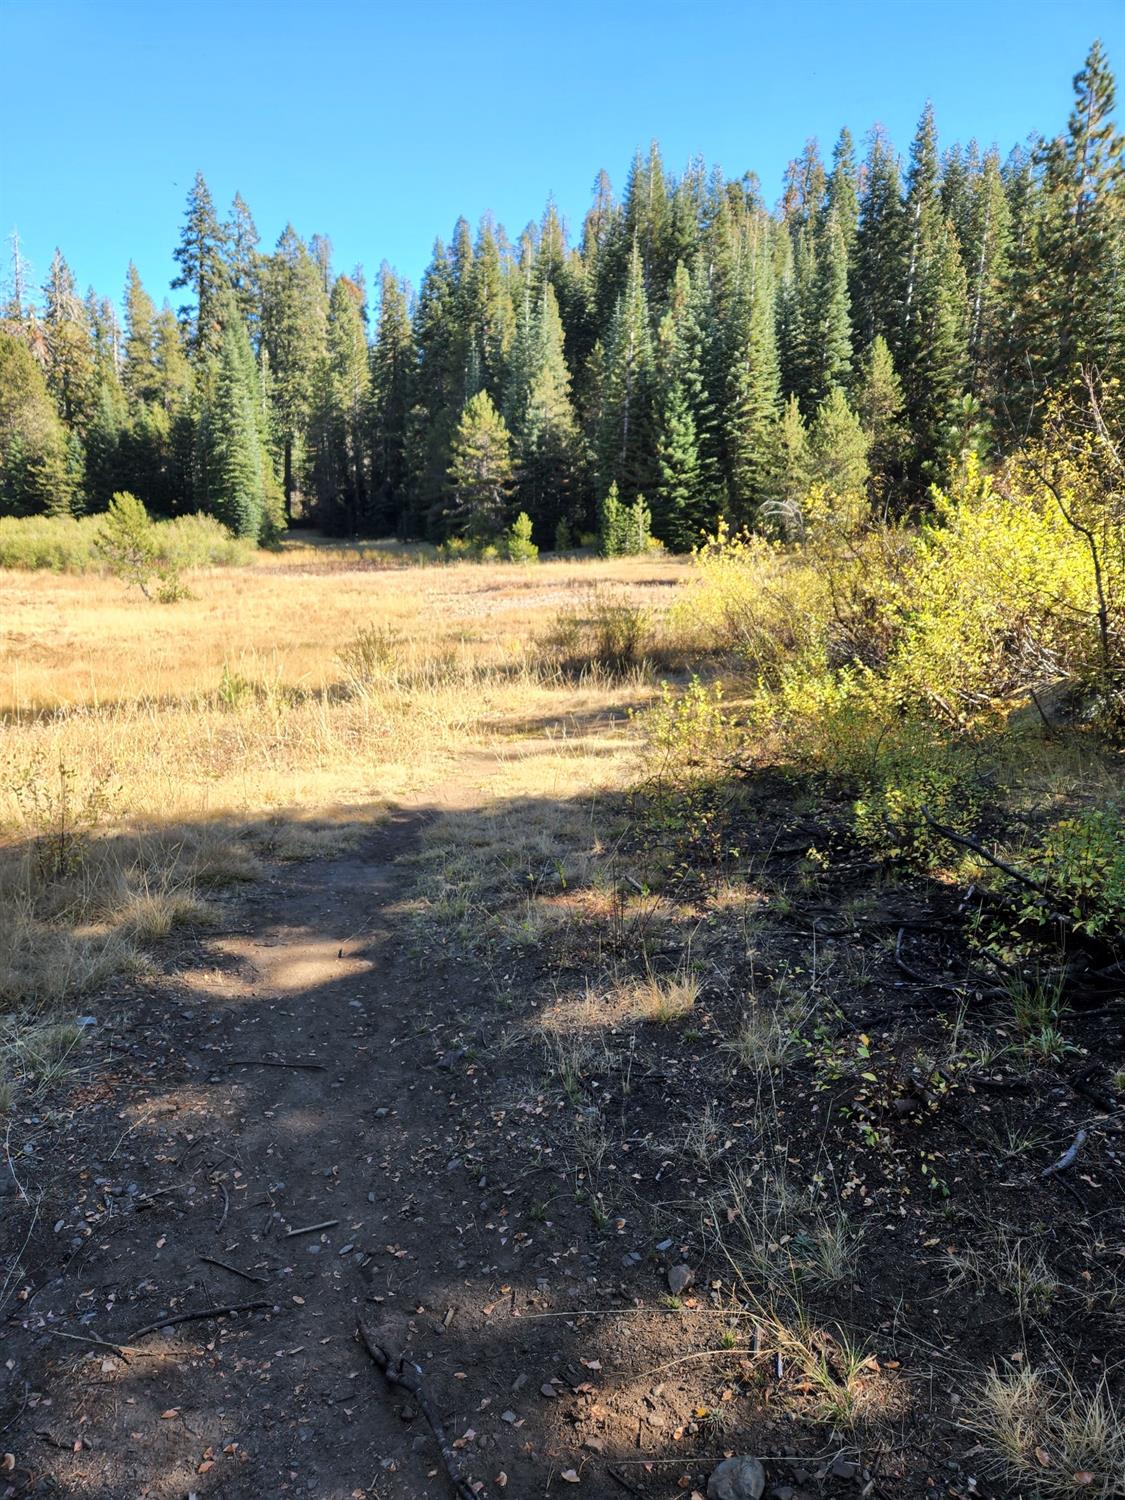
788,884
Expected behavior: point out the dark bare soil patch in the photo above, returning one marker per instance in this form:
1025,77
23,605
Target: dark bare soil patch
734,1153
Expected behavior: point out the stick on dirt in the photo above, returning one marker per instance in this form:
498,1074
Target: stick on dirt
246,1275
81,1338
409,1378
202,1312
270,1062
1067,1158
311,1228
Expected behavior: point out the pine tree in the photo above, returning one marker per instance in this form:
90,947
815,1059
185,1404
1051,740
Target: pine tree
235,469
480,471
681,504
624,439
647,223
830,355
140,374
686,494
877,271
985,243
340,426
612,524
35,475
936,350
243,264
879,405
294,323
935,323
751,408
842,202
437,386
68,348
392,365
838,448
785,506
1084,184
200,257
488,309
548,444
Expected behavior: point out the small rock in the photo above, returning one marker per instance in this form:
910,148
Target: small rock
679,1279
664,1245
737,1479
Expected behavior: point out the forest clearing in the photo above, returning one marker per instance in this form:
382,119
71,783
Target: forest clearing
562,821
510,966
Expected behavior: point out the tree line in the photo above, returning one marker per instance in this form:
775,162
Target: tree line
693,347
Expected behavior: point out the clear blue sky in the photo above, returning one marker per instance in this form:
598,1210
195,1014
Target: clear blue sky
378,124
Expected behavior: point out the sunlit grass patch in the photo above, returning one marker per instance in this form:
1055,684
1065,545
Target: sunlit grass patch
1054,1439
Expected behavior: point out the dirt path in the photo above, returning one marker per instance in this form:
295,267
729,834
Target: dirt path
212,1157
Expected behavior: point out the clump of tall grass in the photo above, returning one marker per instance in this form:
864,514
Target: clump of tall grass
68,544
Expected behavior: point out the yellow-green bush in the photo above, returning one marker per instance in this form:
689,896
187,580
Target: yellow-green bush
67,544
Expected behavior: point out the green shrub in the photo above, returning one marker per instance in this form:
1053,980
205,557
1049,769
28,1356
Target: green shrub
907,785
67,544
688,734
624,530
609,631
61,544
518,542
1081,862
125,541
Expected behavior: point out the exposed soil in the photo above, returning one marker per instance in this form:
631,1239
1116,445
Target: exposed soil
528,1284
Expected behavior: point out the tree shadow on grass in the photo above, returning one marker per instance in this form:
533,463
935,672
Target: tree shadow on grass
331,1106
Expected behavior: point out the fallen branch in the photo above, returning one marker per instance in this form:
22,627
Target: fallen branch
269,1062
246,1275
311,1228
190,1317
978,848
1067,1158
81,1338
408,1377
915,975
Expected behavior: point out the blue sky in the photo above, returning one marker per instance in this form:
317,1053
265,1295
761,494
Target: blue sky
378,124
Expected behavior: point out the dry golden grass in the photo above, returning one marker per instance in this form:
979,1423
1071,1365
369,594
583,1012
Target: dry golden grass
1051,1437
67,640
149,754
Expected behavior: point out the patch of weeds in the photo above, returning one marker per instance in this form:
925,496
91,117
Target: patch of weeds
1005,1263
1054,1440
664,1001
767,1038
370,657
783,1237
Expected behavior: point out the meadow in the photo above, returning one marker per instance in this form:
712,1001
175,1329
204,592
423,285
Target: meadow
776,891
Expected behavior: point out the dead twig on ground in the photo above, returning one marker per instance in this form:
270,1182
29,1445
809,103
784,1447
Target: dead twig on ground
1068,1157
270,1062
210,1260
408,1377
291,1234
986,854
203,1312
82,1338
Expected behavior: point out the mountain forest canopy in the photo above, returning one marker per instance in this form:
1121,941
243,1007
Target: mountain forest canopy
692,346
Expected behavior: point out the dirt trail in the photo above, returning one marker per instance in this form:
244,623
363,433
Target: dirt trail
191,1153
